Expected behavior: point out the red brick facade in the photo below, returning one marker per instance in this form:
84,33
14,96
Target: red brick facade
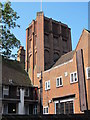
68,89
46,41
48,49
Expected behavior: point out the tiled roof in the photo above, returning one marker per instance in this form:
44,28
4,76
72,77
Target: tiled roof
64,58
13,71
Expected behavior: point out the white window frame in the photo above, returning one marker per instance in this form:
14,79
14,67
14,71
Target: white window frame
55,105
73,77
4,89
35,109
66,100
88,68
46,107
59,81
48,83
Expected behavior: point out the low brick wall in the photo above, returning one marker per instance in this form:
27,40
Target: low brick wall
47,117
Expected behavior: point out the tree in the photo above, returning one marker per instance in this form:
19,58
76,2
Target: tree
8,19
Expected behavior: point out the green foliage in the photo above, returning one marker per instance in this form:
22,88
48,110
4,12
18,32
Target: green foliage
8,19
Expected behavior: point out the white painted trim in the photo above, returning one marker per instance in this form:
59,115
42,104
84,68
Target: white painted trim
45,108
58,66
70,77
55,105
87,72
67,100
5,89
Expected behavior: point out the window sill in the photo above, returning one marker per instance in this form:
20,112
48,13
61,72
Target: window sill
74,82
59,86
47,89
88,78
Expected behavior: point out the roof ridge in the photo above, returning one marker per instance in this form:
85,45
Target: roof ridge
67,53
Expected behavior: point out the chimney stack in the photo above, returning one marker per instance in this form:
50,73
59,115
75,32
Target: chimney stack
21,56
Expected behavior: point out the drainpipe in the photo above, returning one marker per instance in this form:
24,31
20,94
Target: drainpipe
41,95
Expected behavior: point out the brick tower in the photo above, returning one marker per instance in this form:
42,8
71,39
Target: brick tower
46,41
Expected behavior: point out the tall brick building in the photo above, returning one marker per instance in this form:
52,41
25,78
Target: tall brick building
66,86
65,73
46,41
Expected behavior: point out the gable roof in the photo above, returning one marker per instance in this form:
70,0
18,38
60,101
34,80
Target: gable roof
13,71
84,30
64,58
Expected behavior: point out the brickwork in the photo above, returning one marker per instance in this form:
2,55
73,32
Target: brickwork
67,88
57,41
46,41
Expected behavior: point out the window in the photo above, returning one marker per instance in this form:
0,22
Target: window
12,108
18,91
26,109
26,92
5,90
64,107
73,77
45,110
88,72
35,110
47,85
5,108
59,82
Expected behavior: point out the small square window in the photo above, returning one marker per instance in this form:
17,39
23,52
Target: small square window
45,110
47,85
26,92
88,72
73,77
5,90
59,82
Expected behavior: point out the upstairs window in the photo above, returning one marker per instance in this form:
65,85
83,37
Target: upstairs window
73,77
26,92
5,90
88,72
59,81
18,91
47,85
